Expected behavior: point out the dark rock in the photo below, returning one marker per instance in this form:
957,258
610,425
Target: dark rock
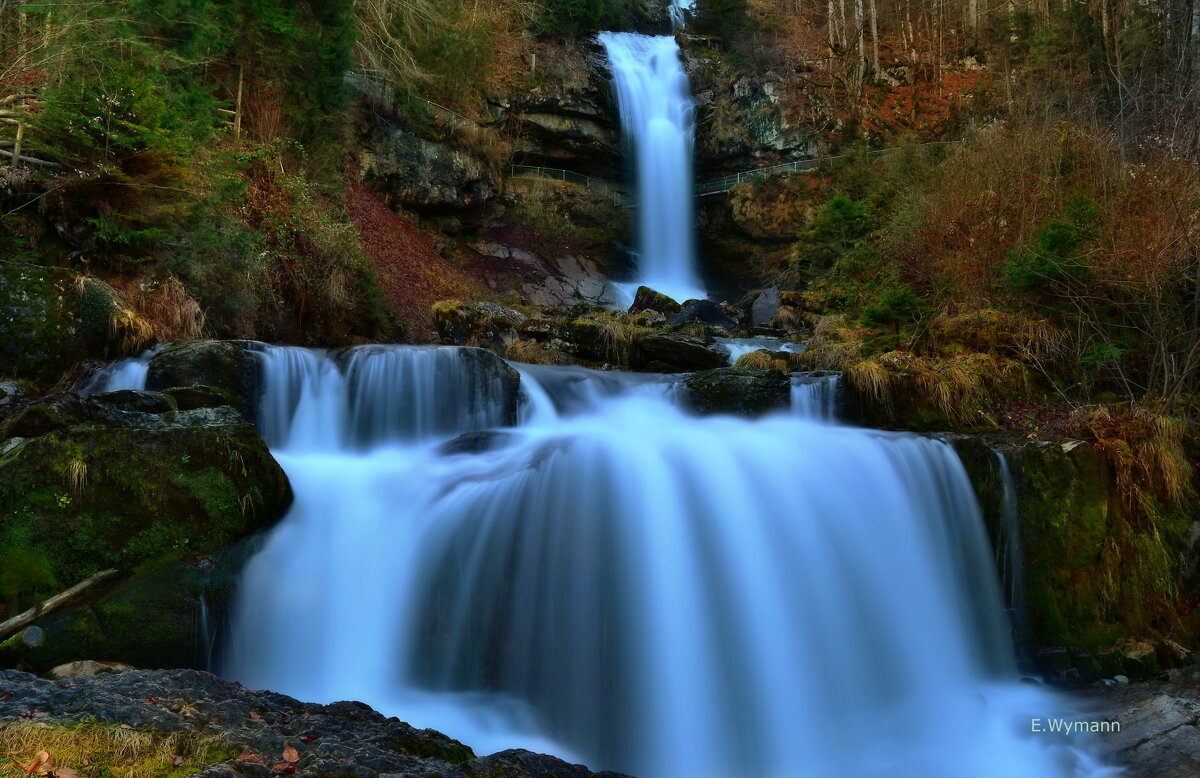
1086,666
764,307
190,398
483,324
47,414
12,392
475,443
677,353
706,312
738,391
1057,666
134,400
648,299
341,739
156,489
227,366
1111,662
1140,657
420,175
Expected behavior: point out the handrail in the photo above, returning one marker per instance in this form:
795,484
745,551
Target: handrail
703,188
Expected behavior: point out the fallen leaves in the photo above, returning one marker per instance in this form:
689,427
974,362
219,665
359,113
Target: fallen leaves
290,754
42,764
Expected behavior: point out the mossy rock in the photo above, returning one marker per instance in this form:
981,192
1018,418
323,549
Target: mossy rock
53,318
1092,572
483,324
168,616
738,391
230,367
85,498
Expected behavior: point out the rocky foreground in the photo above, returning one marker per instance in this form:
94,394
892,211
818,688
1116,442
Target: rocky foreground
1160,724
259,728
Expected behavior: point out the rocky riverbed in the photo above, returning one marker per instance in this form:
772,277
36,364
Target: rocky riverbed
260,729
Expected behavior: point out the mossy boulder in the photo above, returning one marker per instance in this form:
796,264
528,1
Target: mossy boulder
228,366
165,616
52,318
160,487
486,325
647,299
738,391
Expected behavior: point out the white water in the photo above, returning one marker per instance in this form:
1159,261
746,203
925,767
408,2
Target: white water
815,395
658,119
676,10
126,374
629,586
740,347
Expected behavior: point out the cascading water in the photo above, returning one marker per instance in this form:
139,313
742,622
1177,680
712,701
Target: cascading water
676,10
658,119
619,582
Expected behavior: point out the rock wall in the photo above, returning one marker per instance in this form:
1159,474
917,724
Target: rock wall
1107,589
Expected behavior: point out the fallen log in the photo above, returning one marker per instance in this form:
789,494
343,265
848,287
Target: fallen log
23,620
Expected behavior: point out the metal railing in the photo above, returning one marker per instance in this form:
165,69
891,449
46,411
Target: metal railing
617,196
702,188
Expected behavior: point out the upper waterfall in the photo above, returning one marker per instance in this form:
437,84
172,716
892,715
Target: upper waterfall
658,119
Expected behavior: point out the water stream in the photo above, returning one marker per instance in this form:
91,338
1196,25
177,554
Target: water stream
622,583
658,119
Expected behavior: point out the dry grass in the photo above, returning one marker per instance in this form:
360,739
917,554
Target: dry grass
167,306
106,750
617,336
533,353
872,381
768,360
76,473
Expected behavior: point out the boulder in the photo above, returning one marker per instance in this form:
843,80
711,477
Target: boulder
228,366
675,352
1158,735
706,312
127,488
736,391
86,667
648,299
764,307
52,318
482,324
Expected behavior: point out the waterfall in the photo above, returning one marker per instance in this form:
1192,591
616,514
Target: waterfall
658,119
675,9
1012,571
620,583
815,395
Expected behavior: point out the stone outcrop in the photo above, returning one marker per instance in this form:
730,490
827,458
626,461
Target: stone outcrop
255,729
126,480
738,391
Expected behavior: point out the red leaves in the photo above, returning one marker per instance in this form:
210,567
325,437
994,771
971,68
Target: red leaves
290,754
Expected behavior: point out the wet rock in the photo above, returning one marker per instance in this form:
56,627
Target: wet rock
676,353
1139,657
1159,736
483,324
475,443
737,391
706,312
227,366
648,299
341,739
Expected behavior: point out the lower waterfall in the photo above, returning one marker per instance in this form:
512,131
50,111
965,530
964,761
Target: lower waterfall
618,582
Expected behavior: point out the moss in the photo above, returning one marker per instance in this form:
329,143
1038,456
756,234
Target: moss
149,493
